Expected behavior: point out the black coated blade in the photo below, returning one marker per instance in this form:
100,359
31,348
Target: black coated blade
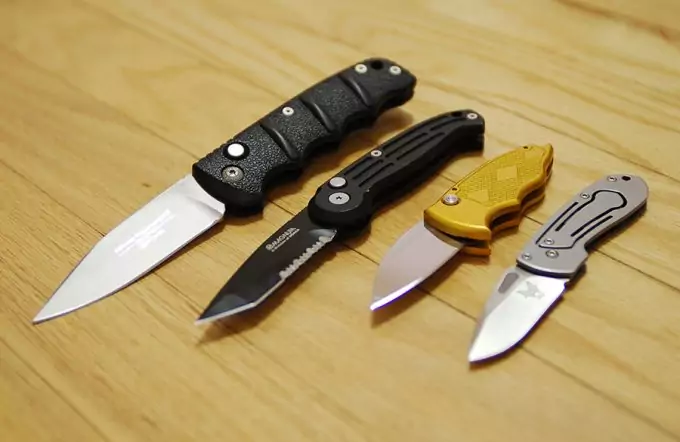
269,266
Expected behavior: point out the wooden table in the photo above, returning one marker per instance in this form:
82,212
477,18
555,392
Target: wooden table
105,103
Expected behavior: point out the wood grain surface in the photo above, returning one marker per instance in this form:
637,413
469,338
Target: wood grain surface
105,103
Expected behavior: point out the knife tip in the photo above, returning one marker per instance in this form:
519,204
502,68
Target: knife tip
47,312
211,316
381,301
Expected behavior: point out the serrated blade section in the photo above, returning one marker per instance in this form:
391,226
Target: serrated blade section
286,251
136,246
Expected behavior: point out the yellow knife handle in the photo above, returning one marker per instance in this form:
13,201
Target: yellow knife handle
496,188
483,248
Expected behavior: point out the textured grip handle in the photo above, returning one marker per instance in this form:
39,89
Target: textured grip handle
350,199
496,188
239,172
559,248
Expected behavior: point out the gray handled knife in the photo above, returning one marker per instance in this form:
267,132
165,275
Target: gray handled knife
344,205
234,177
551,259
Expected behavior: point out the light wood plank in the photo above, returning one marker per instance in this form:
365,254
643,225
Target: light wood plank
84,84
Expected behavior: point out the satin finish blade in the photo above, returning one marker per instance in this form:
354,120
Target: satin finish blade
415,256
136,246
269,266
517,304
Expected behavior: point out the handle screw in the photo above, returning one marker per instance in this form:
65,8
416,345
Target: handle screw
287,111
526,256
395,70
376,153
450,200
232,174
548,241
552,254
611,178
471,116
361,68
338,198
585,195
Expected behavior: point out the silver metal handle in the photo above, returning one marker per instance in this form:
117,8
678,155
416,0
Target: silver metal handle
559,248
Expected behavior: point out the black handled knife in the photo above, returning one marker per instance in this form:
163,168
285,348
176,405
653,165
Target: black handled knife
345,204
234,178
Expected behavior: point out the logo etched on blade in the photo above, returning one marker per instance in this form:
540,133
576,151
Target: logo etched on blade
531,291
308,253
281,240
147,235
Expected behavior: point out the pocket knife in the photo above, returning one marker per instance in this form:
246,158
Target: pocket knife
491,198
233,178
553,257
344,205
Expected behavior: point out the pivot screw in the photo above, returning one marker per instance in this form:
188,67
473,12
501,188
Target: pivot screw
548,241
472,116
361,68
338,198
232,174
552,254
450,200
611,178
287,111
585,195
526,256
376,153
395,70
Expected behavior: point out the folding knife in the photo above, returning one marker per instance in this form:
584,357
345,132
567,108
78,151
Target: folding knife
551,259
344,205
234,178
491,198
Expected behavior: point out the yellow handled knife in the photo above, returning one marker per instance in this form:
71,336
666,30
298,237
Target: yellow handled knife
491,198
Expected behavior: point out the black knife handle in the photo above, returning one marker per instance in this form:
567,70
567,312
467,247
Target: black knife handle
239,172
349,199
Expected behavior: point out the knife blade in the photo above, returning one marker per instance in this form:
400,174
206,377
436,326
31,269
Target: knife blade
234,177
491,198
344,205
553,258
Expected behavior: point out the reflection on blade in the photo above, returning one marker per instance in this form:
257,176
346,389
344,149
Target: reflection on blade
414,257
269,266
136,246
517,304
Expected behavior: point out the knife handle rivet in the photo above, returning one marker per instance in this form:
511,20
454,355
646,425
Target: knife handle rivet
450,200
235,150
232,173
526,256
361,68
395,70
287,111
376,153
548,241
611,178
552,254
585,195
472,116
338,198
337,182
